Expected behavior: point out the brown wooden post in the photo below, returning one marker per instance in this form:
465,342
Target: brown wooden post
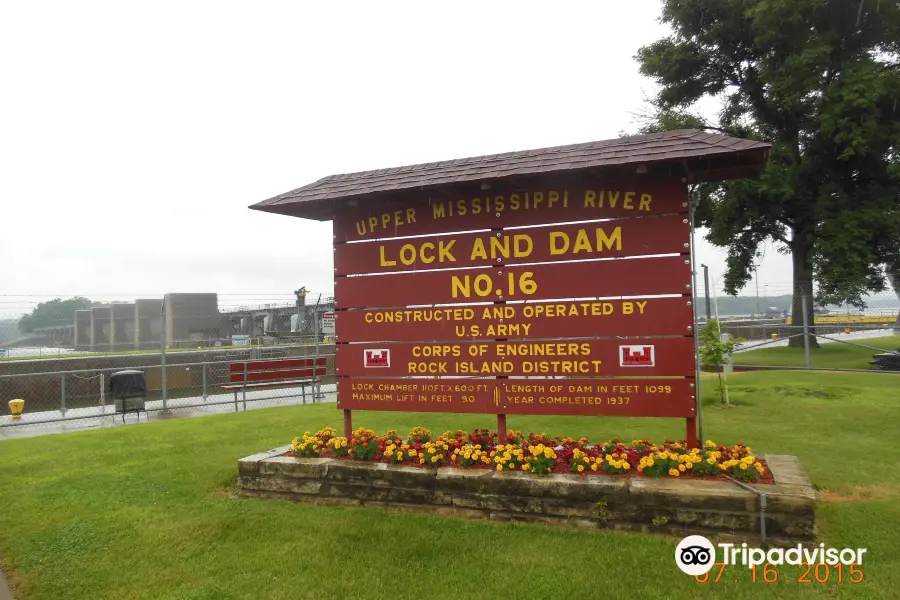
501,429
348,424
691,436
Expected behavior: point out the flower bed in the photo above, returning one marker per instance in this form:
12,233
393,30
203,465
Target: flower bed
536,453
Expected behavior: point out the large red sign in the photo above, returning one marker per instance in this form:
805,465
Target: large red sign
605,239
567,300
550,358
589,318
508,208
549,281
592,397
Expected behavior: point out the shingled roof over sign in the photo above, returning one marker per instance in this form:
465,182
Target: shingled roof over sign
704,156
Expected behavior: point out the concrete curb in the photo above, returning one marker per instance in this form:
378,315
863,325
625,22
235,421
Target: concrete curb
5,593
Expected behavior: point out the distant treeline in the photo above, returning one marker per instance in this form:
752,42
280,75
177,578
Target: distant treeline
53,313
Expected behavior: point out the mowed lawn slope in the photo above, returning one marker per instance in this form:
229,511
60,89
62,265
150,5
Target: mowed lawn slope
148,511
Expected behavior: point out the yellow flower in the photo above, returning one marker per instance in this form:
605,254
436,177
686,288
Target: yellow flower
580,468
499,467
743,466
673,472
526,466
681,468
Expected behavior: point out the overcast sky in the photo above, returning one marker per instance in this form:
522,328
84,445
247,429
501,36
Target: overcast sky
134,136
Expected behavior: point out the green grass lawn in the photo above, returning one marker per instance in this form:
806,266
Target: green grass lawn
832,355
148,511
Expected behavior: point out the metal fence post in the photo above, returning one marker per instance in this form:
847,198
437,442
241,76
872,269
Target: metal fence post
204,383
316,389
243,390
162,360
62,394
806,333
103,393
698,398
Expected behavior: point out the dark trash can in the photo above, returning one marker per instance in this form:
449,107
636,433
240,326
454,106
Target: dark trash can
129,390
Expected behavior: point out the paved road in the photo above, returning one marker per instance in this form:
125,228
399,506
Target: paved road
853,336
5,594
47,422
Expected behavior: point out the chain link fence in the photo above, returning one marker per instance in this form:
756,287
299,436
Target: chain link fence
74,390
839,338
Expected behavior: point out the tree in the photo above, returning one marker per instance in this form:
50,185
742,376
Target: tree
53,312
714,352
820,81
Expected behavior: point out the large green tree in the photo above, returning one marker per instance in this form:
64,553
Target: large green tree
820,80
52,313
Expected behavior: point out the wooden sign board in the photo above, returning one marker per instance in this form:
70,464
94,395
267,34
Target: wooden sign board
588,397
547,281
602,318
566,300
604,239
518,207
549,358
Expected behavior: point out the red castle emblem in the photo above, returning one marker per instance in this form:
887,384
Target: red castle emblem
637,356
377,358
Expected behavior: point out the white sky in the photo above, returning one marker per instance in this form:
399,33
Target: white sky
133,136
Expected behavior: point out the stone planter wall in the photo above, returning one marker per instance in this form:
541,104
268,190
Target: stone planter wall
676,506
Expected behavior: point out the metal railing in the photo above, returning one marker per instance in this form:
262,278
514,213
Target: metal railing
67,389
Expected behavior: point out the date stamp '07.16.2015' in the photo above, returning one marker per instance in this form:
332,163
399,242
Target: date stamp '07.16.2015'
697,556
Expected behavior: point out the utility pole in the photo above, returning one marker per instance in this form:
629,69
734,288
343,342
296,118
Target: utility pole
756,277
706,287
301,303
163,342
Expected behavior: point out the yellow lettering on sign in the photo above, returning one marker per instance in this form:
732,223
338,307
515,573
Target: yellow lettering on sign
407,254
427,259
560,242
478,250
522,245
500,247
612,198
384,261
582,244
444,251
553,198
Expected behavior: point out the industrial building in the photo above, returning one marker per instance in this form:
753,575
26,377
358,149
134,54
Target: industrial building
190,320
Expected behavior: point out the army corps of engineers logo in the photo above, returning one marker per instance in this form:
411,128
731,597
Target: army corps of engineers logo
695,555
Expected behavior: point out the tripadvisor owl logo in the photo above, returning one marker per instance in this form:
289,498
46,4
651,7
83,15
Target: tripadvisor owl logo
695,555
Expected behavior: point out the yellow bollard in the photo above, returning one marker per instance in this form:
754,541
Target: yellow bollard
15,408
846,330
774,336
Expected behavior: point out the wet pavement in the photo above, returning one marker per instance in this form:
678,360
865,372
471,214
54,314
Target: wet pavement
49,422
